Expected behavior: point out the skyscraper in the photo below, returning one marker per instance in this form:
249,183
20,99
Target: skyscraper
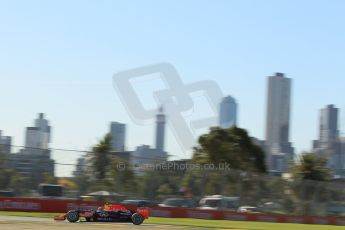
160,129
39,135
278,109
328,124
329,144
227,112
278,122
118,134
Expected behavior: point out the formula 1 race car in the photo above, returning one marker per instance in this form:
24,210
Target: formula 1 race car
107,213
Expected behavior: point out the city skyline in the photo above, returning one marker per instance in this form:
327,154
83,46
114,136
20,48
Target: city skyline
61,61
328,130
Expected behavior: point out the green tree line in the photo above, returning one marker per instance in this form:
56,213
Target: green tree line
309,181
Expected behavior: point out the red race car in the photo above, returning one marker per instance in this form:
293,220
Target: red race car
107,213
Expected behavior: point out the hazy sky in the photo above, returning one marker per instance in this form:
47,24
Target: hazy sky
58,57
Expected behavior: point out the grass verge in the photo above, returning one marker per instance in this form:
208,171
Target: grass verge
225,224
220,224
29,214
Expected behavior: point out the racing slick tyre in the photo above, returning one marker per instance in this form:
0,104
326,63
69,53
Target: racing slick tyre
72,216
137,219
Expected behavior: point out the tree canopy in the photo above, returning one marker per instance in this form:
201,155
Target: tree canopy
232,146
312,167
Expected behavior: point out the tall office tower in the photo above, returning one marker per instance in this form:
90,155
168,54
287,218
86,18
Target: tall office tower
160,129
328,124
278,109
329,144
278,122
227,112
118,134
39,135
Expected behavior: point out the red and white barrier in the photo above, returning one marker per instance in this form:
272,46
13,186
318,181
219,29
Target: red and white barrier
43,205
62,206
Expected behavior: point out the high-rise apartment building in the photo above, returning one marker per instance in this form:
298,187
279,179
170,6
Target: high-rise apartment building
227,112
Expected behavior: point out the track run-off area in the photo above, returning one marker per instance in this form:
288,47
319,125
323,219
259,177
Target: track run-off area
12,222
17,222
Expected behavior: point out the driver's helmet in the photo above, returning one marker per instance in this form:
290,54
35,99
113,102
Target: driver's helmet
107,207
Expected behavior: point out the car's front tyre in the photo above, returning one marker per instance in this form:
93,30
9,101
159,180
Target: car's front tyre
137,219
72,216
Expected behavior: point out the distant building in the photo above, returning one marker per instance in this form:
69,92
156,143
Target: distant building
342,157
118,134
329,144
39,135
279,150
5,144
160,130
144,154
34,165
80,167
328,131
227,112
34,161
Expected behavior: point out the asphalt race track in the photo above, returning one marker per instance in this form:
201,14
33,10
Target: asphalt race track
27,223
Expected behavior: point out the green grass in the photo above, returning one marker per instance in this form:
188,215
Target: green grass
239,224
225,224
29,214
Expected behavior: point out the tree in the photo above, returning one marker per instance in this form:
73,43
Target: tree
310,183
232,146
164,189
19,184
100,158
312,167
122,178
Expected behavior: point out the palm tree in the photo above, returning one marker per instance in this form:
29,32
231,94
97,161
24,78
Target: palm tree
101,158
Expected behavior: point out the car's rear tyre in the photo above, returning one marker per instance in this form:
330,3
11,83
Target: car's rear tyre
72,216
137,219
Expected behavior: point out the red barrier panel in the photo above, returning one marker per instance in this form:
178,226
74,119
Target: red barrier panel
42,205
62,206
